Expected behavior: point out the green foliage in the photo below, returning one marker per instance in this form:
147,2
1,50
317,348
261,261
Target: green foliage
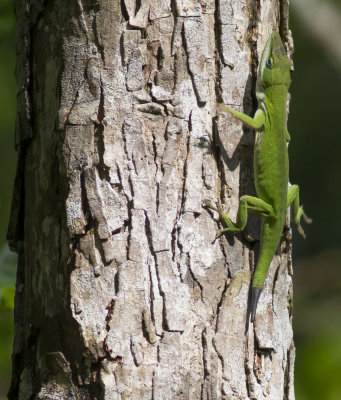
7,112
7,298
314,125
7,157
315,164
6,340
8,263
6,20
318,366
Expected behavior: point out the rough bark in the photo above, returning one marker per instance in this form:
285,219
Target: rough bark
122,291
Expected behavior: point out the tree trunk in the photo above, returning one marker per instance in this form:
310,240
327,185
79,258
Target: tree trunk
122,290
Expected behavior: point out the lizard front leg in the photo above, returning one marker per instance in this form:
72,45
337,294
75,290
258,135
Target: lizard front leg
255,123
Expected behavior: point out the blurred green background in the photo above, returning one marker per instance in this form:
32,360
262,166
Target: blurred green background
315,164
7,171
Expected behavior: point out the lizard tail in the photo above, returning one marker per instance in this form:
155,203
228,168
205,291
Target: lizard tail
270,237
255,297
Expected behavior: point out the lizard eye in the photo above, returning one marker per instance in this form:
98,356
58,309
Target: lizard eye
269,63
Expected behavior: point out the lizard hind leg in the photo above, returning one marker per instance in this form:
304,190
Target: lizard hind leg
246,203
296,211
230,226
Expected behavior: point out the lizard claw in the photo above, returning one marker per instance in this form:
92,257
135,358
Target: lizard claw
223,218
218,234
221,107
306,219
301,231
221,232
208,204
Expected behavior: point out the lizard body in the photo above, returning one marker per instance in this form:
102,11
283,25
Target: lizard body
271,162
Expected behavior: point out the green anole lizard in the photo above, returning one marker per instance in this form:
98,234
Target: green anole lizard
271,163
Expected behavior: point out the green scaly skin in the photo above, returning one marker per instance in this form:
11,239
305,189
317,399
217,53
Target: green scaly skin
271,163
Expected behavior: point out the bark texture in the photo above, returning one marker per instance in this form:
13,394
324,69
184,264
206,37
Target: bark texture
122,291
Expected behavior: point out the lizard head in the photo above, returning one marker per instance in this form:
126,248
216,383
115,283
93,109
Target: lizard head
274,68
